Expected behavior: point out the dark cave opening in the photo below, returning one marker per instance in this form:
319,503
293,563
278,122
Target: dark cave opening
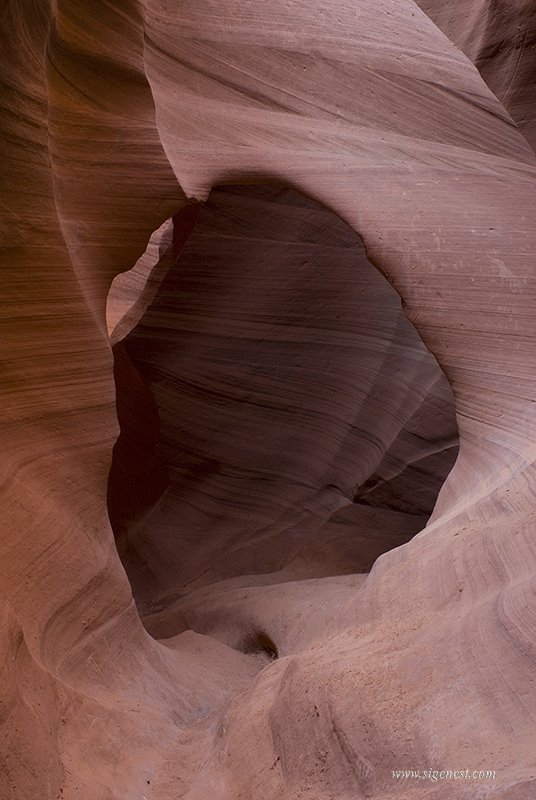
278,412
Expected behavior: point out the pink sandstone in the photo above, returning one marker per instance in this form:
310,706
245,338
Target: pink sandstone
238,559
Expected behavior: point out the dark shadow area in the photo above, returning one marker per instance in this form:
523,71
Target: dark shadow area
259,643
278,411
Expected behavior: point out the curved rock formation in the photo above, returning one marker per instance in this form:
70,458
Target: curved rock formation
500,39
288,384
307,682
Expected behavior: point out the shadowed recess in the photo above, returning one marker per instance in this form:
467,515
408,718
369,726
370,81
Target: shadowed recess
279,414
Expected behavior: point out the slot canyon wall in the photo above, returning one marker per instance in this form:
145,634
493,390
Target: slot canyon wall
268,399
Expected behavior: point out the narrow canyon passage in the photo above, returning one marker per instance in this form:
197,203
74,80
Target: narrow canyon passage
281,419
258,543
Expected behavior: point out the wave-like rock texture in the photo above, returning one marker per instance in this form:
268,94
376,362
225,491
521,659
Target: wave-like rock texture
286,384
500,39
313,682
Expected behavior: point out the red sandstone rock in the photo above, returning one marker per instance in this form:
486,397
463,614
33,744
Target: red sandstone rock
500,39
113,115
288,384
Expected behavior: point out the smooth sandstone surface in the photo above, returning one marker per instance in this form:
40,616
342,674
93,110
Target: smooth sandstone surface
499,37
286,383
288,637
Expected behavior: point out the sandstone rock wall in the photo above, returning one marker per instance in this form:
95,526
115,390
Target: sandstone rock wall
115,114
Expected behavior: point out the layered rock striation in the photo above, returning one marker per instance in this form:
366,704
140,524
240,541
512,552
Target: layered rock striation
275,639
286,384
